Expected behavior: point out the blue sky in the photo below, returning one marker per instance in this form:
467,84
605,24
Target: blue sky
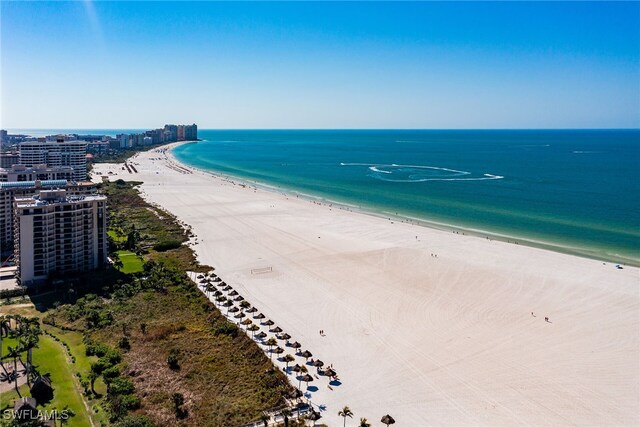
141,64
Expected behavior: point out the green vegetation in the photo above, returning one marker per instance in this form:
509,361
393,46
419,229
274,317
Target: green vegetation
141,344
131,263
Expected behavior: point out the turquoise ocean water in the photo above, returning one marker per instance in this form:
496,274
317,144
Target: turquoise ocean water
572,191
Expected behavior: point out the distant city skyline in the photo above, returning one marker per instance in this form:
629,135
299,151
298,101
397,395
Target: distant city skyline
119,65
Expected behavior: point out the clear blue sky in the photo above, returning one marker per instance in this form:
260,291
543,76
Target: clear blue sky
320,65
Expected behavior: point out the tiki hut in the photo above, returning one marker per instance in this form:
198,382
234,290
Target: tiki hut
387,420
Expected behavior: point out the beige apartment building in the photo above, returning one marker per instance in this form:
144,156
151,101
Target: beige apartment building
10,190
20,172
56,232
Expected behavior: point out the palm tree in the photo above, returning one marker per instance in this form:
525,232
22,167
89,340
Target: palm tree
286,413
265,419
364,422
344,413
288,359
15,354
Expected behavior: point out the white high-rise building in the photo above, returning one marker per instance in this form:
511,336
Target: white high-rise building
59,233
68,153
10,190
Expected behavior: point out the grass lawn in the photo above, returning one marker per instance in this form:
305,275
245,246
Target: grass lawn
131,263
117,237
50,358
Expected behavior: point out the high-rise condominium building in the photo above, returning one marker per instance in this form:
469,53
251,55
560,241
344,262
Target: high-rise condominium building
190,132
9,159
38,172
59,233
10,190
68,153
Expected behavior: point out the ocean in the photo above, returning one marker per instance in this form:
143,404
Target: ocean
573,191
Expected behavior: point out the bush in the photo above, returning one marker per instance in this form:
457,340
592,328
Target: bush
166,245
124,344
130,401
172,360
120,386
134,421
225,328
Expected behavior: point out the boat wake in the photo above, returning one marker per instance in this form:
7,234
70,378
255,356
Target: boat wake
419,173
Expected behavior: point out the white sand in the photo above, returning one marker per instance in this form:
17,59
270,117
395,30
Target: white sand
431,341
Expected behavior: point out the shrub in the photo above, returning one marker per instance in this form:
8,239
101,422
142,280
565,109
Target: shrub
120,386
134,421
225,328
166,245
172,360
124,344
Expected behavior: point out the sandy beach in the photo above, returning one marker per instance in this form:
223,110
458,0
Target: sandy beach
432,327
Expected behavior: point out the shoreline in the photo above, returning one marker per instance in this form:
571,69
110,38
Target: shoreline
432,327
557,247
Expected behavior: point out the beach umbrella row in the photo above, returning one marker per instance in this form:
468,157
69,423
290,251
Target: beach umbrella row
206,283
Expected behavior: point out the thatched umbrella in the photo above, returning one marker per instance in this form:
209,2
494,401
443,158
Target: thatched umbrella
227,288
268,322
259,316
228,303
276,330
296,368
296,345
239,298
253,329
284,336
234,309
296,393
247,322
307,379
252,310
306,354
217,279
314,416
233,293
330,372
220,284
278,350
200,276
387,419
318,363
240,315
217,293
261,335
